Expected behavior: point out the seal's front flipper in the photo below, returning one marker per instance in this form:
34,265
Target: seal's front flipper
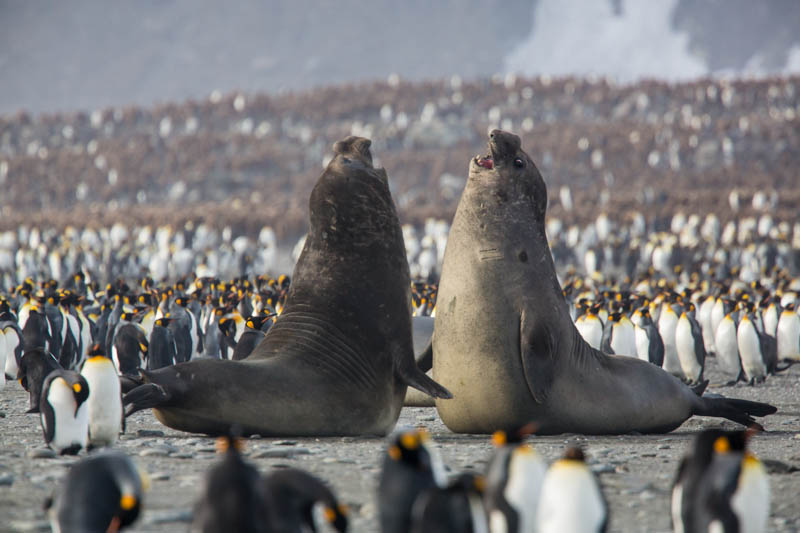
145,396
537,351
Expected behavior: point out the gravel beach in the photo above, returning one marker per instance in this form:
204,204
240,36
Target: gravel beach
636,471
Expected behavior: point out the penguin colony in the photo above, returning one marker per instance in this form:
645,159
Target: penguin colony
81,346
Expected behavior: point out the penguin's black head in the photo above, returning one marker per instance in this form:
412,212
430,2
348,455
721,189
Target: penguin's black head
336,516
513,435
80,388
409,448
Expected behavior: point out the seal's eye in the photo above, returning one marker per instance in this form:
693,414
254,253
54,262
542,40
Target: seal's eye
346,159
519,163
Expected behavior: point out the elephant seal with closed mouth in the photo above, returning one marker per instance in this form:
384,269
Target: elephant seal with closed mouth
503,341
339,358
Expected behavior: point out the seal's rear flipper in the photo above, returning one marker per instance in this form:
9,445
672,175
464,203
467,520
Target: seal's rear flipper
740,411
145,396
414,377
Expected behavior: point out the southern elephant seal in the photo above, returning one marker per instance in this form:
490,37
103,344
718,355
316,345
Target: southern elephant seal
504,343
339,358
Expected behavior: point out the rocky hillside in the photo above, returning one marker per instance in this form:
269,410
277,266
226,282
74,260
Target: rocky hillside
250,159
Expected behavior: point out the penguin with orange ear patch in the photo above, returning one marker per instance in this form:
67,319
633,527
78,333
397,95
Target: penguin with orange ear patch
297,501
100,493
514,481
410,467
233,497
571,499
106,417
64,411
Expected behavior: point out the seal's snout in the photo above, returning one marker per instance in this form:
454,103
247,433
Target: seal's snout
503,145
357,147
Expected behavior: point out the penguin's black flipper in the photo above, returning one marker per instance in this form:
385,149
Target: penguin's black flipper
145,396
739,411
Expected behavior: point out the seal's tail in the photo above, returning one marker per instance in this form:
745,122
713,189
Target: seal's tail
145,396
740,411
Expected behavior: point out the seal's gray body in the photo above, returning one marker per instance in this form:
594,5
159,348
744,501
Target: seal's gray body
504,343
339,358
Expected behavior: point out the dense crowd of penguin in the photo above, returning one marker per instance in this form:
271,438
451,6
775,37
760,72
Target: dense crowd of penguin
74,345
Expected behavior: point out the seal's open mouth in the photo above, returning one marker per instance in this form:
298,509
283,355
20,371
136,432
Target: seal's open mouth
485,161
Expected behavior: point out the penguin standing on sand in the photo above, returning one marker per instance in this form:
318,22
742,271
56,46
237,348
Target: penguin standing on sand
65,412
162,350
721,487
513,483
11,341
571,498
34,368
619,335
590,326
757,351
409,468
294,500
106,416
727,345
649,346
233,497
788,334
667,325
690,347
102,492
456,508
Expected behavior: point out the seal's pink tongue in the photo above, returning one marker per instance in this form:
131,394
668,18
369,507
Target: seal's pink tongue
486,162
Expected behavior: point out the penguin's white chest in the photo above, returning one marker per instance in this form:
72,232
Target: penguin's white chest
642,344
570,501
70,426
623,338
526,473
685,346
591,329
667,325
750,350
104,403
788,335
727,347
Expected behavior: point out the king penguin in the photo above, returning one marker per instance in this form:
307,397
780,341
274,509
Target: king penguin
513,483
788,334
102,492
690,347
726,342
233,499
456,508
410,466
106,417
64,411
649,346
667,325
755,350
619,335
297,501
590,326
571,498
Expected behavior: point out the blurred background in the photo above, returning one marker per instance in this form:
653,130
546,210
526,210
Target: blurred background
184,112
